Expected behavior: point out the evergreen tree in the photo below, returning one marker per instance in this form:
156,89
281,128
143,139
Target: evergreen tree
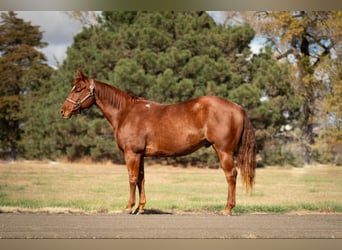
23,71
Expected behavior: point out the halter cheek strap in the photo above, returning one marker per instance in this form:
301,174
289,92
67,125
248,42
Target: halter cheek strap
91,94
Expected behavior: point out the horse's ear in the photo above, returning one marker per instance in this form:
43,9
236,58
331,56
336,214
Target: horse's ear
79,78
79,74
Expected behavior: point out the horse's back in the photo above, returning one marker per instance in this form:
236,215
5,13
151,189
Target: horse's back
198,112
219,103
203,103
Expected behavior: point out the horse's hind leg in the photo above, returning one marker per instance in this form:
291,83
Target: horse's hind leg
227,163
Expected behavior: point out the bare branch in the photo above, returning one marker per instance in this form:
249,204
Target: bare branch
86,18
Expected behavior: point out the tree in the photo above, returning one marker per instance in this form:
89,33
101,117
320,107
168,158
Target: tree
22,74
310,40
329,143
309,37
330,107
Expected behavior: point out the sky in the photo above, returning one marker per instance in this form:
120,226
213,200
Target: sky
59,29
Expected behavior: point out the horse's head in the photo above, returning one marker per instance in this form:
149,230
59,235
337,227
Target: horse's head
81,96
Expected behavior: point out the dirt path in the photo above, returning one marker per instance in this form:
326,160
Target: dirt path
13,225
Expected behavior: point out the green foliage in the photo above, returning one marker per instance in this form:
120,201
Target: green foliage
277,153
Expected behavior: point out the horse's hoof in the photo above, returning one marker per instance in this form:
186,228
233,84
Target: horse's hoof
138,211
141,211
227,213
127,211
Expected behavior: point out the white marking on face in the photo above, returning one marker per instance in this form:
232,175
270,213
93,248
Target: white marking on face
147,105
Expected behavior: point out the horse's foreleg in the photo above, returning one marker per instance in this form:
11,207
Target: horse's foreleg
141,187
133,164
227,163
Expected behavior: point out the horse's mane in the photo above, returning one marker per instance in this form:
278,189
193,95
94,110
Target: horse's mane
114,96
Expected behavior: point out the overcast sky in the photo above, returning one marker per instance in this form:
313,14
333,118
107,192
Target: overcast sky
59,30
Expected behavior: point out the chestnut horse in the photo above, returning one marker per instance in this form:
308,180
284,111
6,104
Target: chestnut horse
146,128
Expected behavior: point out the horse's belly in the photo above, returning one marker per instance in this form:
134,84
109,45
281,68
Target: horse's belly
174,145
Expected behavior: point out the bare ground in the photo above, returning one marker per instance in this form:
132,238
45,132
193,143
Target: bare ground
169,226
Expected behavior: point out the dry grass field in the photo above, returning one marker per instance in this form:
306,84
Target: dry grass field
103,188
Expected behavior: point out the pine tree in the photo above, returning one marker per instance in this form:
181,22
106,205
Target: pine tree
22,72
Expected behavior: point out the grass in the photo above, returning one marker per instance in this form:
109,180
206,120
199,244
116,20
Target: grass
104,188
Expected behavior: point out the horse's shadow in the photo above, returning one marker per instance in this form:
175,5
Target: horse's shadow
152,211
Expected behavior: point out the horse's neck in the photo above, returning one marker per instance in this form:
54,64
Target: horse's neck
111,105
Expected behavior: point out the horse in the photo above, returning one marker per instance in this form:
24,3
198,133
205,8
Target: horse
144,128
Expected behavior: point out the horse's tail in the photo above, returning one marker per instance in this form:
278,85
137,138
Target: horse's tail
246,159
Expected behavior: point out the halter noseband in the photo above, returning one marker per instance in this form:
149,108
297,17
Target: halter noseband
91,94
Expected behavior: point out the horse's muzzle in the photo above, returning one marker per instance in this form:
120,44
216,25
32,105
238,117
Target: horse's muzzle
65,115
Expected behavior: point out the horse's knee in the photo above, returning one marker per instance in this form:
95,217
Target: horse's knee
133,180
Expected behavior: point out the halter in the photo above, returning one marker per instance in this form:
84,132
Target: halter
91,94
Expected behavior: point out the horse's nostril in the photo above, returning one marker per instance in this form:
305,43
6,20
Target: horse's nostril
62,112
